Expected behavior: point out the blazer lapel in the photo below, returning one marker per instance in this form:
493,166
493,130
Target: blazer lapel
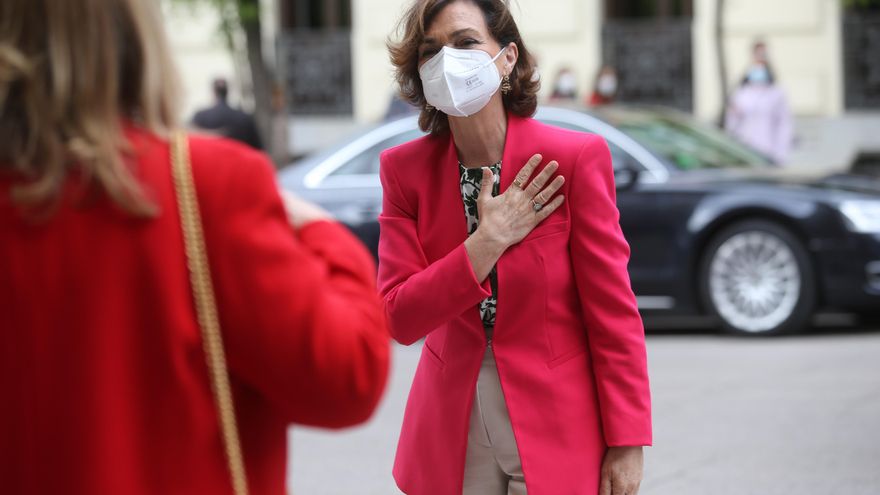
514,153
445,227
518,148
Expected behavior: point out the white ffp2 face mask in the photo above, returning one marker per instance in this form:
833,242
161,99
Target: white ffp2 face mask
458,82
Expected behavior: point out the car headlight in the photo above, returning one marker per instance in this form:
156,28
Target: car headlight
862,215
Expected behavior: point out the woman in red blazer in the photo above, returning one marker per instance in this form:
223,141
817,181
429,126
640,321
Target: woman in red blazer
104,380
533,376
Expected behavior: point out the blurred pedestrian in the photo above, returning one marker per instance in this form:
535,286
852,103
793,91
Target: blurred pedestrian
606,87
757,113
760,56
105,384
523,290
565,86
226,121
279,144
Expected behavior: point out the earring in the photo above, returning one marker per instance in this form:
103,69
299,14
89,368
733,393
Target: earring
429,107
505,84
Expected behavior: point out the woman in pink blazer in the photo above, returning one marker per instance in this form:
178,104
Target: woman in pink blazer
533,376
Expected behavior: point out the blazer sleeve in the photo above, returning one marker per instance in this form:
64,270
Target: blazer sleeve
615,332
418,296
302,322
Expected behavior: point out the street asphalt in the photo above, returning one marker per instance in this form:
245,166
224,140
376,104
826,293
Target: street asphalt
794,415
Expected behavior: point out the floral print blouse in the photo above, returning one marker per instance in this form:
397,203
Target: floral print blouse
471,180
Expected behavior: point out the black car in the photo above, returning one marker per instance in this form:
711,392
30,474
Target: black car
715,228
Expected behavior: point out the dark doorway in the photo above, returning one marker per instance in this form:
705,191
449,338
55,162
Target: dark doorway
628,9
314,52
316,14
649,43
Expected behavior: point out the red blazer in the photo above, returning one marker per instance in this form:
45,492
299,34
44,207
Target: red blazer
569,342
104,381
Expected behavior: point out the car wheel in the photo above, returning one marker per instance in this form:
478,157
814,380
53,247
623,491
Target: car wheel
756,277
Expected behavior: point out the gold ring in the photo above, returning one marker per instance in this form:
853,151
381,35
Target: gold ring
518,183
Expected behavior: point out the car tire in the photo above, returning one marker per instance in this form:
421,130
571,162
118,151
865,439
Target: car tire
756,277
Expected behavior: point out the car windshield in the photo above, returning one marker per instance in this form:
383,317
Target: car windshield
687,144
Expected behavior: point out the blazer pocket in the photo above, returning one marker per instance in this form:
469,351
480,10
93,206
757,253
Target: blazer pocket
566,357
546,229
432,356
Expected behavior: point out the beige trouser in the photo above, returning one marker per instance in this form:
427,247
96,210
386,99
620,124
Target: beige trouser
492,465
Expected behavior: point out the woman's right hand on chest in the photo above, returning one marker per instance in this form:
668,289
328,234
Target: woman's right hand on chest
508,218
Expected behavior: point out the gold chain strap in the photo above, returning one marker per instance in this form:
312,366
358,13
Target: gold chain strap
206,307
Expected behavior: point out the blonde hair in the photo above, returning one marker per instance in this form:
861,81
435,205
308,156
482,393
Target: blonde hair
72,72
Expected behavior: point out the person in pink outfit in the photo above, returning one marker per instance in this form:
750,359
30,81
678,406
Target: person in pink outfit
533,376
758,114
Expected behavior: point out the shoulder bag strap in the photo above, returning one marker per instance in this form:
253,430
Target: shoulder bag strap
206,307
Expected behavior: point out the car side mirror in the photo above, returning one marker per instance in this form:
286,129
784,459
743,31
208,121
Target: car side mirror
626,178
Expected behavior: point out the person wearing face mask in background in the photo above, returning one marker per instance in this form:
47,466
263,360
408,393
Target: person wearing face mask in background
606,87
757,113
565,87
533,374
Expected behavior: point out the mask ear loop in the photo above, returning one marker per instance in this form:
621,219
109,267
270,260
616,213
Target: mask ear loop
499,54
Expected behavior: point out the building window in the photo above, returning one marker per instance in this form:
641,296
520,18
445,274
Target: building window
861,46
648,42
628,9
314,51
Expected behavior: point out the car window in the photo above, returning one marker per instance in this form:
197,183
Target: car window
367,162
689,146
620,159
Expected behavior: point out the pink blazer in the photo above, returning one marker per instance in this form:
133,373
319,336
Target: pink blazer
569,342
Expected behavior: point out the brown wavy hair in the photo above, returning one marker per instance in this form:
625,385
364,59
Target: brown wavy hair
522,99
71,73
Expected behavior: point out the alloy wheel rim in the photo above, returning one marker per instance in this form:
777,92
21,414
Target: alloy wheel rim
754,281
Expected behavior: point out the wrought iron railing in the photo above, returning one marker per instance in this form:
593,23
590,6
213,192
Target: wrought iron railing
861,60
315,66
653,59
